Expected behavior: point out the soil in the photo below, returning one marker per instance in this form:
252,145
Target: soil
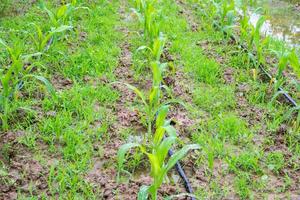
24,173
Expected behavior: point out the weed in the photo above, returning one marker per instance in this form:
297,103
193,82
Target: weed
3,6
275,161
241,183
246,161
210,98
232,128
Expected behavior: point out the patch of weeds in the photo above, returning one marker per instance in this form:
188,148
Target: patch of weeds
275,161
5,151
242,186
76,145
275,118
212,98
53,127
247,161
208,71
229,127
258,93
217,191
66,180
5,179
212,148
28,139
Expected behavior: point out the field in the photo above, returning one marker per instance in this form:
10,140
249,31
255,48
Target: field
94,94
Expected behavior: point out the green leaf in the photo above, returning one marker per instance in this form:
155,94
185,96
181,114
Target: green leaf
135,90
143,48
154,96
295,63
161,117
155,166
164,147
121,154
179,155
143,193
170,130
159,134
48,85
61,29
61,11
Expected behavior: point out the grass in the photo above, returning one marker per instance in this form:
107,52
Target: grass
69,131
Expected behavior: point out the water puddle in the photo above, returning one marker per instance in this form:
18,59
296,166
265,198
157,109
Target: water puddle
283,19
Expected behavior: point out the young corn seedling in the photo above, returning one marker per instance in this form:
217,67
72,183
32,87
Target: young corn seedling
244,25
12,76
153,102
157,153
156,47
63,15
41,39
146,12
226,15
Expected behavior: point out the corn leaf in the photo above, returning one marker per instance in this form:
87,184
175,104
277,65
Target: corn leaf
143,193
162,114
61,11
155,166
48,85
164,147
178,156
121,154
159,134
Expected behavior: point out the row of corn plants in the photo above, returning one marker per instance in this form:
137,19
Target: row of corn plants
234,21
160,135
20,67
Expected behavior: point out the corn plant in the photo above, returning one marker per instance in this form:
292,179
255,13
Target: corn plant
156,48
12,76
244,25
156,153
152,103
62,16
41,39
225,14
146,12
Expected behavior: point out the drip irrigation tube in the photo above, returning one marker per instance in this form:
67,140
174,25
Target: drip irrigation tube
181,173
261,66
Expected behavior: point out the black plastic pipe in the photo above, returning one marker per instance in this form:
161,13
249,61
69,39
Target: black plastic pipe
283,92
181,173
280,89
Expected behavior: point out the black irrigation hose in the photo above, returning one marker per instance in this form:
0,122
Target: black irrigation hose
261,66
181,173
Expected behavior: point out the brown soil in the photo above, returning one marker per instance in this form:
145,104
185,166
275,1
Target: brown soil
24,173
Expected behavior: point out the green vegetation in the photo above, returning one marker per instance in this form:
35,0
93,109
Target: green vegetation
93,95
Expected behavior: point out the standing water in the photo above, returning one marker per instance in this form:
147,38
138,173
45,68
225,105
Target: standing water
283,19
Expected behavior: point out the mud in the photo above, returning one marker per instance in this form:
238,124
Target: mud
23,173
